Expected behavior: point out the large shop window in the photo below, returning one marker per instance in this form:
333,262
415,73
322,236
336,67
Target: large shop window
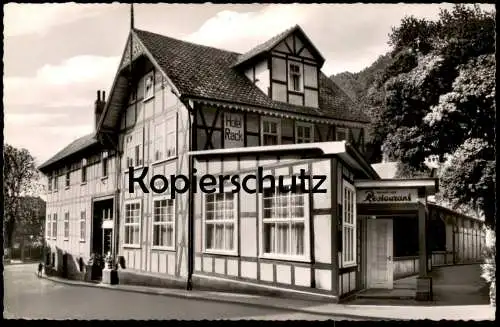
271,131
164,223
285,223
132,223
165,144
348,224
304,132
220,222
134,150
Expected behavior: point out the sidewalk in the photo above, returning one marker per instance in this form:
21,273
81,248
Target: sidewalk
368,312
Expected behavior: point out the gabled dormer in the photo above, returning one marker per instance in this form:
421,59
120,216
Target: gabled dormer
286,68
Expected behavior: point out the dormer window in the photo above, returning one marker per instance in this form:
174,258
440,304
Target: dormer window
295,79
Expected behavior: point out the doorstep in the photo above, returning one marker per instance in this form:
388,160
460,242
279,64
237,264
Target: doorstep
395,293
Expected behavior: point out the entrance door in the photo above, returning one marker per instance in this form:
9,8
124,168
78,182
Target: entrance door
379,259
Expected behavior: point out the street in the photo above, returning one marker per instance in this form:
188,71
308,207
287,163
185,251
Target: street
29,297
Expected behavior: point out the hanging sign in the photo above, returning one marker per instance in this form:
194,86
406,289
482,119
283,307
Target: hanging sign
368,196
233,130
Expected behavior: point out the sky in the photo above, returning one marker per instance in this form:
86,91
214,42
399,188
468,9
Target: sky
56,56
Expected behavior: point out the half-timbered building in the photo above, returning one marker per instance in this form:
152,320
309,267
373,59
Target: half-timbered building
178,108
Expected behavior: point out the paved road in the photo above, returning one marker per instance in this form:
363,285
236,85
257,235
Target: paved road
27,296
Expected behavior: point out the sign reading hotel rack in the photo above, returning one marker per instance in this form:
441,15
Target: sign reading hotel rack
387,196
233,130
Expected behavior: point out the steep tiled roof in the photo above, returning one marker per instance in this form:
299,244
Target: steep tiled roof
266,46
206,72
75,146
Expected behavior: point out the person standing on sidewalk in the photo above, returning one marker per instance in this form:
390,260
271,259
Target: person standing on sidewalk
40,268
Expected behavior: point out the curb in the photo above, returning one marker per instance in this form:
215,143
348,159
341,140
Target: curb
220,300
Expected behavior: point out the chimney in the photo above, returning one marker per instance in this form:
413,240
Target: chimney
99,106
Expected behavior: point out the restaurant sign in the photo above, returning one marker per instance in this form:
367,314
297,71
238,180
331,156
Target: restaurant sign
233,130
387,196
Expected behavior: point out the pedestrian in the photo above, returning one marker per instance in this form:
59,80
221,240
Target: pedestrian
40,268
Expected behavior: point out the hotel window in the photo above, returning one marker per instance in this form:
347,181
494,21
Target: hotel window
285,222
56,186
49,225
66,225
304,132
163,223
83,226
132,223
341,134
49,184
84,170
68,180
133,145
220,216
165,145
271,131
104,167
149,86
54,226
295,79
348,224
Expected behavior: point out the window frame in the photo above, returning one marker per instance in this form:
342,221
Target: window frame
306,257
54,224
83,172
265,119
49,184
344,130
149,76
304,125
83,219
348,224
139,223
130,148
235,251
66,226
56,185
165,223
301,76
48,231
68,180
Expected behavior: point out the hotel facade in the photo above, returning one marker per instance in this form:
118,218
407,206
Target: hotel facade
182,109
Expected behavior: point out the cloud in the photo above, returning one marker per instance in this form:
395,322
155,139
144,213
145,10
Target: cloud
70,83
21,19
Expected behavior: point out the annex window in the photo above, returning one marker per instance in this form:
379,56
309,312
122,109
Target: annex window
68,180
49,225
132,223
133,145
285,222
164,223
220,222
105,164
304,132
271,131
295,77
66,225
54,226
83,226
341,134
348,224
84,170
149,86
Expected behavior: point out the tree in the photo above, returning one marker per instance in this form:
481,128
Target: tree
20,179
439,100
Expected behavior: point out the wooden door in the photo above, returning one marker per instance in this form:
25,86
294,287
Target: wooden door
379,255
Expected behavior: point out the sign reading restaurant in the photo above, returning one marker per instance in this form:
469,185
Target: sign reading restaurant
387,196
233,130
